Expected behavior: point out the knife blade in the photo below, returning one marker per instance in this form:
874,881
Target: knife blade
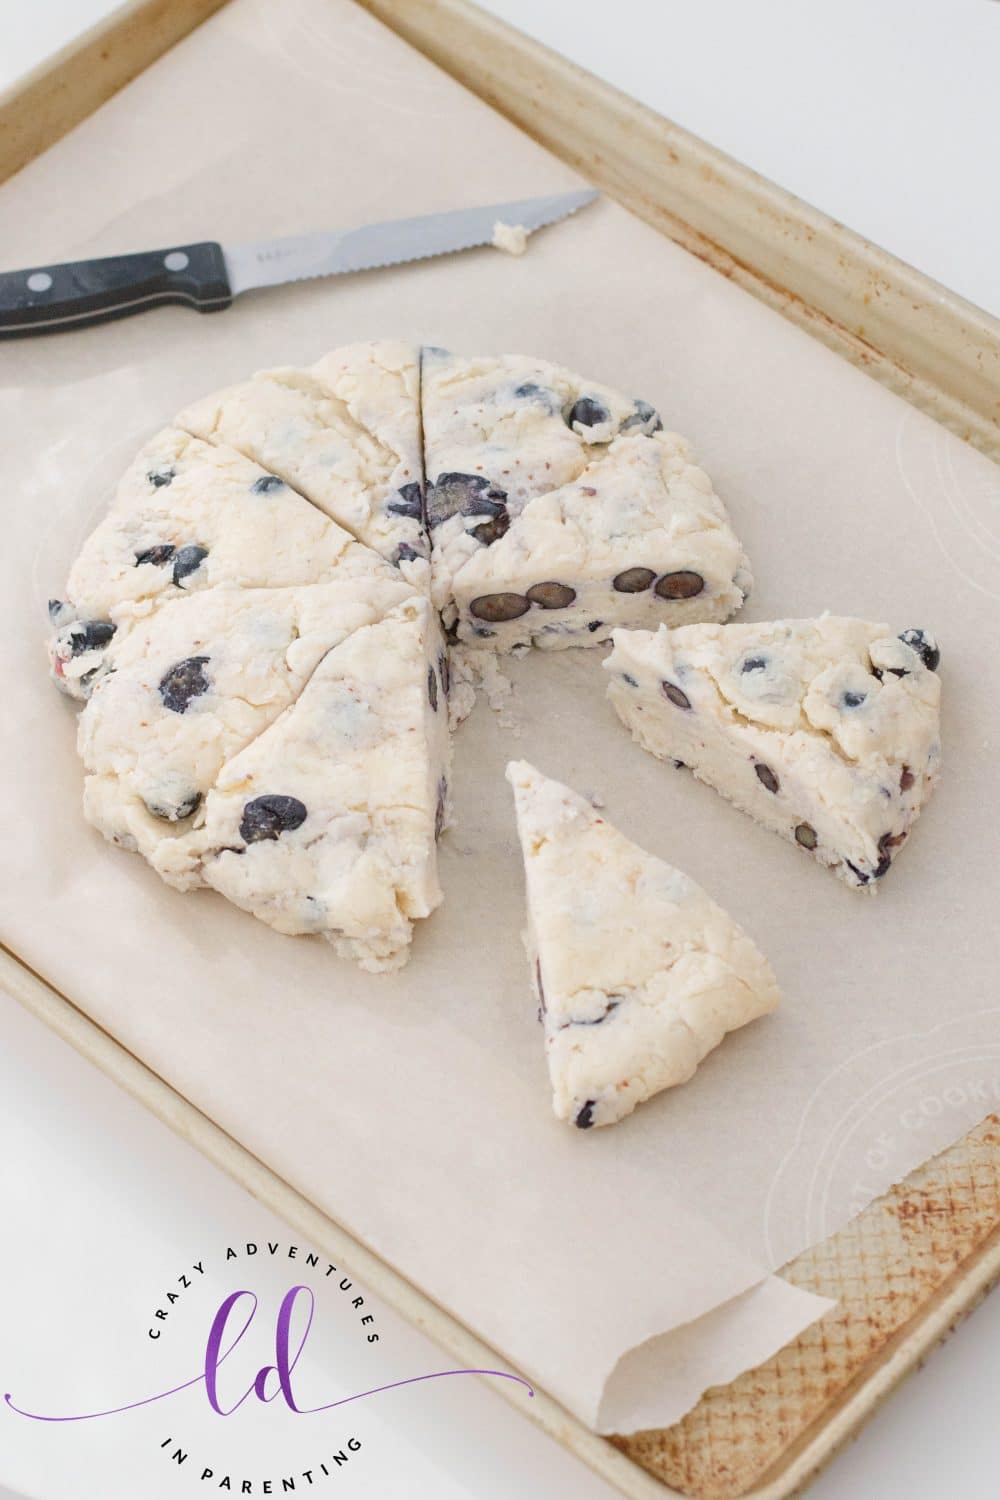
207,276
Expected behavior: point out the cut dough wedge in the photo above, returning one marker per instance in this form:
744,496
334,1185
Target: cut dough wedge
186,688
826,731
328,821
344,433
559,508
637,972
189,517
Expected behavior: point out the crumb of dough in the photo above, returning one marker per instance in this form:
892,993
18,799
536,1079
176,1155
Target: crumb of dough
475,671
510,237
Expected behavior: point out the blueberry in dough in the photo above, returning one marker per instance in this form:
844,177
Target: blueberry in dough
409,501
551,595
587,412
160,478
175,812
852,700
90,635
924,644
585,1118
766,777
455,494
187,561
56,607
753,664
270,816
439,811
633,580
684,584
444,671
496,607
491,531
185,680
157,556
432,689
645,417
266,483
676,696
406,553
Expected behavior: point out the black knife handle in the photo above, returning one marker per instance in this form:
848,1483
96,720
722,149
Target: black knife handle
48,299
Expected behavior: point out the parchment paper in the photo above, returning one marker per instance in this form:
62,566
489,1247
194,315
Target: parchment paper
414,1109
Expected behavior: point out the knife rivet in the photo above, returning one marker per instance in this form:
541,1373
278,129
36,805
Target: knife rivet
176,261
39,281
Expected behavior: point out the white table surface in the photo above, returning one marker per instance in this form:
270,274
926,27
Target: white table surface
888,117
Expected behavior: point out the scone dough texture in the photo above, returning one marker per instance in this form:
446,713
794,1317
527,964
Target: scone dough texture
559,508
254,626
826,731
637,973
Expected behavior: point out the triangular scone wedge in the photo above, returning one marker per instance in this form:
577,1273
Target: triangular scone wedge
559,508
345,433
189,516
637,972
826,731
188,686
328,822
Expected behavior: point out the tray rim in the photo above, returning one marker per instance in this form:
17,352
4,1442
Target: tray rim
714,207
925,342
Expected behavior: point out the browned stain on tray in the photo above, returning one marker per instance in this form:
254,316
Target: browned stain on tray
882,1267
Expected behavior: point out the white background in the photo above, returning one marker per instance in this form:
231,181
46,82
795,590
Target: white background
885,115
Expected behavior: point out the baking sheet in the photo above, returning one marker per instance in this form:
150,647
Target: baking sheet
425,1130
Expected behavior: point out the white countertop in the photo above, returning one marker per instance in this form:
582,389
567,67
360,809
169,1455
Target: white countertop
887,117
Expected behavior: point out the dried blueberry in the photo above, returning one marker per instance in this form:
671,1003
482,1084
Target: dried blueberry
184,681
766,777
432,688
859,875
188,560
444,672
439,811
805,834
924,644
753,664
594,625
406,553
551,595
158,555
644,416
852,700
633,580
680,765
174,812
627,677
89,635
588,411
266,484
906,779
671,691
529,391
56,607
456,494
585,1117
495,607
408,501
681,585
270,816
159,478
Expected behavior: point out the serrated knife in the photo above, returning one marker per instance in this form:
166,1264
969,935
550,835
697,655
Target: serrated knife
207,276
